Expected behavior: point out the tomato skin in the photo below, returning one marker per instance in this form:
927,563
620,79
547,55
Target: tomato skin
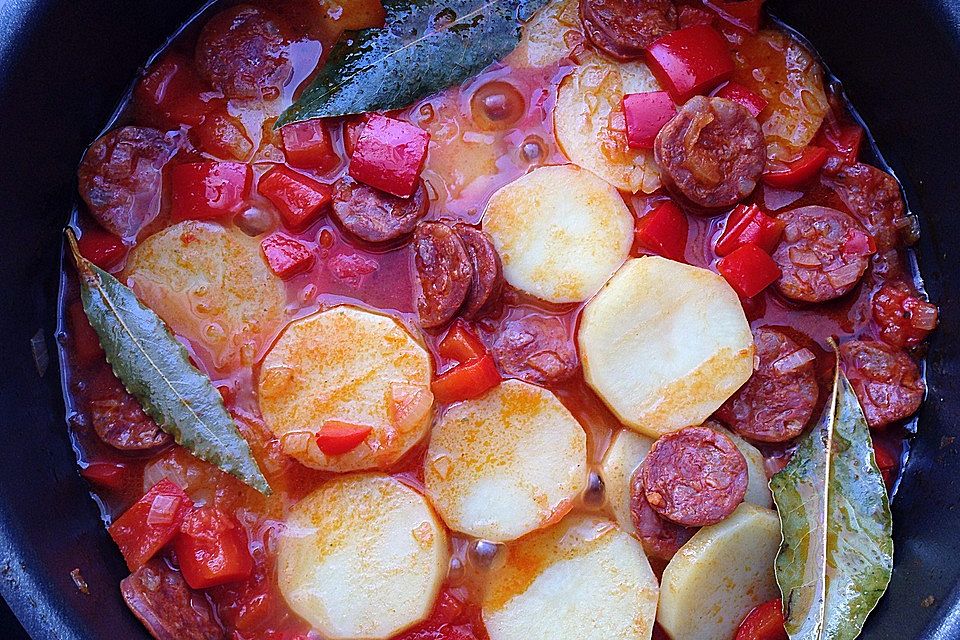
138,539
461,344
299,199
690,61
336,438
212,549
749,270
765,622
466,381
209,190
664,231
389,155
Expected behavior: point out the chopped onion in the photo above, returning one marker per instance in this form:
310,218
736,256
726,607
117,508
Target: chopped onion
794,361
845,275
803,258
163,510
924,316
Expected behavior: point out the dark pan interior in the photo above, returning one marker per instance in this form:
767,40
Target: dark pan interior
64,64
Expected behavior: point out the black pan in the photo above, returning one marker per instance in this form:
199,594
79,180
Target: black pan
65,63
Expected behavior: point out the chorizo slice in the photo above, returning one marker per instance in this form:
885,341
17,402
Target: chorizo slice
886,380
119,420
874,197
813,256
659,537
537,349
624,28
712,152
170,610
376,216
694,477
444,273
487,270
779,399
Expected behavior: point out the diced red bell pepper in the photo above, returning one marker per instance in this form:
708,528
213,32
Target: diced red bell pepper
749,270
887,455
753,101
745,14
286,256
842,140
223,136
212,549
467,380
461,344
747,224
764,622
101,247
173,92
105,474
151,523
209,190
308,146
85,341
389,155
664,231
299,199
690,61
645,115
336,438
797,173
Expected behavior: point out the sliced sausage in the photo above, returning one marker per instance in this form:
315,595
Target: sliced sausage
536,349
120,422
377,216
712,152
487,270
624,28
169,609
813,256
120,177
444,273
886,380
659,537
694,477
874,197
243,53
778,401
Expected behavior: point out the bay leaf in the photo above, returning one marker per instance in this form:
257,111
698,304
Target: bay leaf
837,553
156,370
427,46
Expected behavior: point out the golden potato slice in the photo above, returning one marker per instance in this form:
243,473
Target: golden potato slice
505,464
664,344
583,578
362,558
722,573
626,453
353,366
211,285
589,124
549,36
561,232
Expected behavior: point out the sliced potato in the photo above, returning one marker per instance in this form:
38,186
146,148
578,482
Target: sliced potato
560,231
362,557
758,485
347,365
621,461
211,285
506,464
549,36
589,124
664,344
583,578
722,573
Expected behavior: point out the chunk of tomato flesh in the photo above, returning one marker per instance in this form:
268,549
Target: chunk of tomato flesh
101,247
209,190
645,115
749,270
307,146
141,536
764,622
747,224
212,549
286,256
799,172
664,231
336,438
690,61
389,155
466,381
461,344
299,199
753,101
224,136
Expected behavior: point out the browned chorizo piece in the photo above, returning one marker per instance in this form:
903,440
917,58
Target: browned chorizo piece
536,349
712,152
873,196
444,273
243,53
120,177
659,537
624,28
814,256
167,607
120,422
778,401
695,476
487,270
886,380
377,216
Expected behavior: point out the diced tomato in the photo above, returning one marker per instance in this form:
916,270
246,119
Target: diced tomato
664,231
747,224
308,146
796,173
690,61
887,454
336,438
212,549
467,380
745,14
85,341
765,622
904,319
858,243
753,101
223,136
645,115
749,270
151,523
286,256
209,190
105,474
446,622
173,92
389,155
299,199
101,247
461,344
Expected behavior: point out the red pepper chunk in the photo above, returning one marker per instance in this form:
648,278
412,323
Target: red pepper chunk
753,101
745,14
286,256
747,224
336,438
749,270
690,61
797,173
664,231
212,549
299,199
765,622
105,474
461,344
887,456
308,146
83,338
101,247
151,523
209,190
466,381
842,141
174,93
389,155
645,114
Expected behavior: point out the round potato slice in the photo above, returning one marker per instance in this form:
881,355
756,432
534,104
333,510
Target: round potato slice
506,464
211,285
722,573
583,578
664,344
350,366
590,127
362,557
621,461
561,232
549,36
